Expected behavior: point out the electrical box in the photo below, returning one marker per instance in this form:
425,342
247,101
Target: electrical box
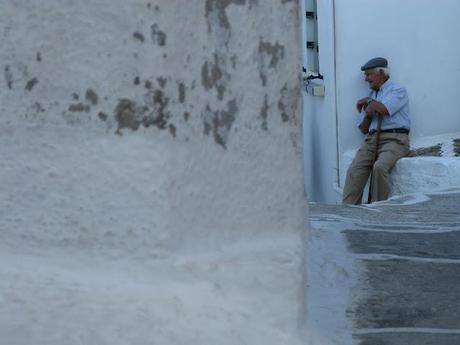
315,89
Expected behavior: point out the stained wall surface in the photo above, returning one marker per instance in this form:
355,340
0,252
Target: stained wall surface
151,172
205,92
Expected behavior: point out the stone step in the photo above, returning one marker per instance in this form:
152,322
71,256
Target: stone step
386,273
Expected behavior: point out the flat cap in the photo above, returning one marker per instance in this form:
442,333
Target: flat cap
374,63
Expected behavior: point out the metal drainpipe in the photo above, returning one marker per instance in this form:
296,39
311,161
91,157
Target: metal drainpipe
335,100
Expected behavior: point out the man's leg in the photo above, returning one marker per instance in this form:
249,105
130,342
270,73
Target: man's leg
358,172
393,147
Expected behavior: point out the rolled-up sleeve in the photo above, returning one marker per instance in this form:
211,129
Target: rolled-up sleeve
395,99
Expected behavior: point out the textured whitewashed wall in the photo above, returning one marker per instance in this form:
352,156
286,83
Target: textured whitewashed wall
320,115
417,38
204,93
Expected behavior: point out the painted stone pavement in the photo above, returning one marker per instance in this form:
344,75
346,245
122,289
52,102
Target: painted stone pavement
387,273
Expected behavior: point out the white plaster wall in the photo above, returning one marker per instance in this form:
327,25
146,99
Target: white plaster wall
419,39
163,138
211,89
320,116
425,175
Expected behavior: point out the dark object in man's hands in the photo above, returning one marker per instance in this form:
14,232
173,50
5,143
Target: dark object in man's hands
365,124
363,103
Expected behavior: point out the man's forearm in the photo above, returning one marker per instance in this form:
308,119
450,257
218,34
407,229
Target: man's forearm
376,106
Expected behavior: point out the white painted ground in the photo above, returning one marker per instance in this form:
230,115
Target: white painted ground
338,276
332,275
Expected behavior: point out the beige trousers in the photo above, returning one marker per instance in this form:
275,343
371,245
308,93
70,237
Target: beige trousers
392,147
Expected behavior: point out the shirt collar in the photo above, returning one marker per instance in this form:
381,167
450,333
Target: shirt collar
385,85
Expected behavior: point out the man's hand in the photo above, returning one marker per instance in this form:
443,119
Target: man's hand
362,103
370,106
369,111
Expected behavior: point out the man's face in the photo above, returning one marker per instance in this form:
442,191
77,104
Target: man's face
375,78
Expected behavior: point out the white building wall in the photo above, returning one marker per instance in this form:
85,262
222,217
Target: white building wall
418,37
209,91
320,130
151,186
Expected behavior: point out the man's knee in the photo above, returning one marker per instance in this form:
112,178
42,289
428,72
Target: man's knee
381,168
358,167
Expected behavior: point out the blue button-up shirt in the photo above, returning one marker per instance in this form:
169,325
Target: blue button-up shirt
394,97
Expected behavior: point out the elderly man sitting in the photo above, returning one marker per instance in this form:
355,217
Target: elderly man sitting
384,118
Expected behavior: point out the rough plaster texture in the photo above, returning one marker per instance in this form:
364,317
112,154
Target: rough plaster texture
152,154
213,85
417,35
